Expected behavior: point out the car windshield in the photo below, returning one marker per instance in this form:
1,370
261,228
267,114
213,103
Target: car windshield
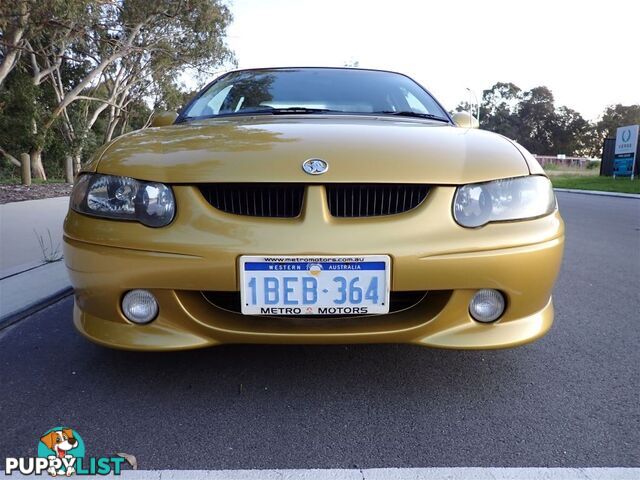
314,90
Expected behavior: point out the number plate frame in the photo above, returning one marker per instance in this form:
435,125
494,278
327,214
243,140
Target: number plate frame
306,263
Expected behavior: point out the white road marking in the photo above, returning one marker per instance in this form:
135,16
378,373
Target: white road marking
460,473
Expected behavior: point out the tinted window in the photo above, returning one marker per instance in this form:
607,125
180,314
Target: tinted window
339,90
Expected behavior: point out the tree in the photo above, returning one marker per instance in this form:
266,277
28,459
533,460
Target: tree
537,115
106,55
499,109
616,116
18,20
50,26
19,103
533,120
570,133
21,20
14,17
190,37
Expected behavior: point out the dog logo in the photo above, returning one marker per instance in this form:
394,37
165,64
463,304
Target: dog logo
64,444
315,166
61,453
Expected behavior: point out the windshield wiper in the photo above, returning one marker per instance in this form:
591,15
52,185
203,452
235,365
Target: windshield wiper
307,110
282,110
408,113
287,110
264,111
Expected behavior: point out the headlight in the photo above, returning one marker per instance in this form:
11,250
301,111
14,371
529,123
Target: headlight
518,198
123,198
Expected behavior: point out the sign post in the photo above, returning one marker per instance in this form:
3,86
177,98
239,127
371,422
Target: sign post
624,159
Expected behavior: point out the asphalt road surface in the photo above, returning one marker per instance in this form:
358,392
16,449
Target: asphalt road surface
569,400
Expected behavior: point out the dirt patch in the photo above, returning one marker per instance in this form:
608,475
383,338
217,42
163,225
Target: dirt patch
20,193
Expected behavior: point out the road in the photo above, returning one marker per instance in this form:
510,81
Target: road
569,400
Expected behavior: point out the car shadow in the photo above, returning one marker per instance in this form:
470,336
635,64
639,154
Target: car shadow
320,368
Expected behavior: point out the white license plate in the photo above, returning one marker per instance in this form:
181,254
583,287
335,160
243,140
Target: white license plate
320,285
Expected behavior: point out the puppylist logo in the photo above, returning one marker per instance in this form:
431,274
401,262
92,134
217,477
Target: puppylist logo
61,452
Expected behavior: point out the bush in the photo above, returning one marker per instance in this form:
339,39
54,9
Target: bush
593,165
9,173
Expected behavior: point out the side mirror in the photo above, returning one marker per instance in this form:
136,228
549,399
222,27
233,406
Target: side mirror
163,119
464,120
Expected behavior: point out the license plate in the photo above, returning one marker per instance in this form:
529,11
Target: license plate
321,285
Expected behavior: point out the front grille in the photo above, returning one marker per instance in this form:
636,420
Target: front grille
397,301
373,200
285,200
255,199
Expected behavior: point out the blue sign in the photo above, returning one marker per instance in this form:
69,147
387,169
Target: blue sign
625,151
623,165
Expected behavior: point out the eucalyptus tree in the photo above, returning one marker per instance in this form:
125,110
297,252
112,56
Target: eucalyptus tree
137,49
101,57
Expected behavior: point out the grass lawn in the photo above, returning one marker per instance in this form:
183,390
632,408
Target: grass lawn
592,182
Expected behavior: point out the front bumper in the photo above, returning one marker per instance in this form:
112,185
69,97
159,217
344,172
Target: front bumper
198,253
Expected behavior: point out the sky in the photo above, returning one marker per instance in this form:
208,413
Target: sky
586,51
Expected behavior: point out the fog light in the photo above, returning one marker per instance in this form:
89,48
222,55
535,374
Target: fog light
486,305
139,306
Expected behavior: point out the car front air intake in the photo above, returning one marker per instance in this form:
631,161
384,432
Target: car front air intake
371,200
286,200
256,199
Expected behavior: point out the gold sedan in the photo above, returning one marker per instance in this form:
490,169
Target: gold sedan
313,205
